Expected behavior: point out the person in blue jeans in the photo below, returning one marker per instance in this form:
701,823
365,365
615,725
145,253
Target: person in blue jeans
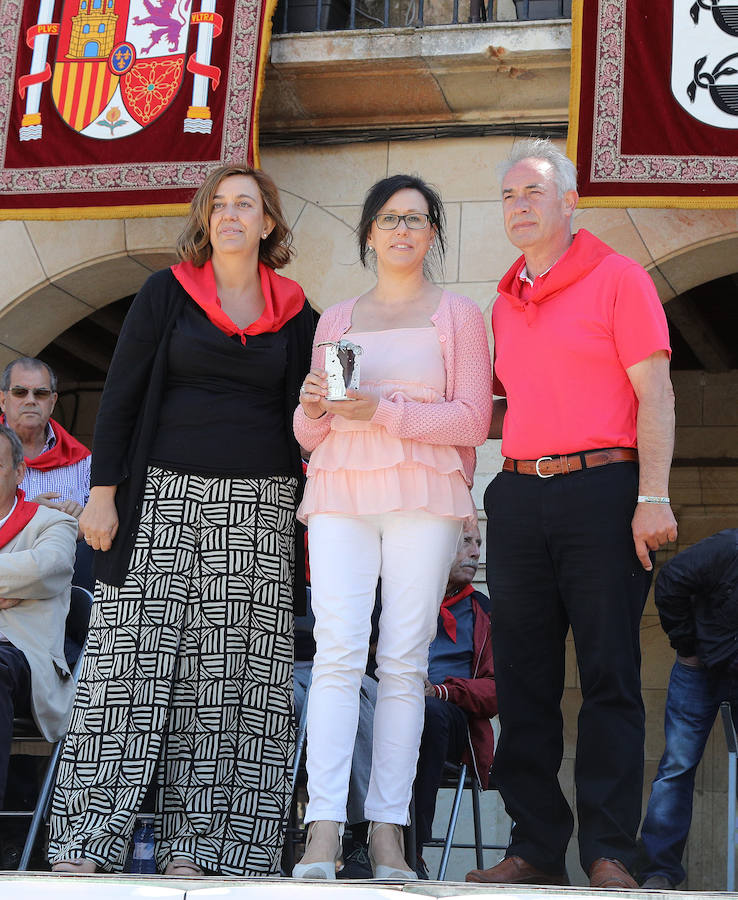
697,600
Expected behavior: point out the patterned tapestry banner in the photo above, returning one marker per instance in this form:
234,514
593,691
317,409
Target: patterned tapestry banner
653,115
118,108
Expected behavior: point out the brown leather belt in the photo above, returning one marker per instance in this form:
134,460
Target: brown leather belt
548,466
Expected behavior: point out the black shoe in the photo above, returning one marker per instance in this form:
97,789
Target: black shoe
421,869
356,864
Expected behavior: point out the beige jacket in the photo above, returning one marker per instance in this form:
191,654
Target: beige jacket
36,566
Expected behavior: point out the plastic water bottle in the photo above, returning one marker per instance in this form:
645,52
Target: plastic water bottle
142,860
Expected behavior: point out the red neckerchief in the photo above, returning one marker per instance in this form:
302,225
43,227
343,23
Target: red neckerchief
20,517
66,451
283,298
583,254
449,621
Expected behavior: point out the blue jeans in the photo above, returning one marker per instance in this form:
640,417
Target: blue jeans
691,707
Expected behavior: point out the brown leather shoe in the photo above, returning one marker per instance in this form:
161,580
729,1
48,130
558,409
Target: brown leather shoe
515,870
611,873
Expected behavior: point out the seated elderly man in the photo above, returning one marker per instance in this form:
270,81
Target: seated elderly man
460,693
36,560
57,464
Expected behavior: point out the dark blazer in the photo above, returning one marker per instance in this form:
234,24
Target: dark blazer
129,413
697,598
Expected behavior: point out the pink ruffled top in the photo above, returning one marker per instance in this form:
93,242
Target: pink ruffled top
360,469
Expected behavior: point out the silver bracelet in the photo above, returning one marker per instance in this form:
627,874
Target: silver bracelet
645,499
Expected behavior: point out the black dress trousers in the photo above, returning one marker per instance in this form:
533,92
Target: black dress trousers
560,553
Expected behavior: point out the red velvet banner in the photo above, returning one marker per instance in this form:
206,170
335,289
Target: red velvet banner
118,108
653,117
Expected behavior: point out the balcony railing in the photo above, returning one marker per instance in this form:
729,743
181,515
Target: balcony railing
337,15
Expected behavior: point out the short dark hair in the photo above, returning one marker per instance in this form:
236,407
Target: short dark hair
28,362
16,448
379,193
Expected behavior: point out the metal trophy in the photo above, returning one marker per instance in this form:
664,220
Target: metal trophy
342,366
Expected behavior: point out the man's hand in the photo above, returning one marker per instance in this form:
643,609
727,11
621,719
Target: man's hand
499,408
8,602
70,507
653,525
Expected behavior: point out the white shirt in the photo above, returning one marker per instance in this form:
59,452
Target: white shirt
70,482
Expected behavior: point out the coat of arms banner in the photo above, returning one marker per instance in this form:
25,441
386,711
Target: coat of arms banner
653,115
118,108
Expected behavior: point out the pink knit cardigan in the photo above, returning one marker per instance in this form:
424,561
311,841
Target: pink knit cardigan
462,420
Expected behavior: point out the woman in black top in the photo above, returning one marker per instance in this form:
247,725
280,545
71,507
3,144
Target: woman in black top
187,680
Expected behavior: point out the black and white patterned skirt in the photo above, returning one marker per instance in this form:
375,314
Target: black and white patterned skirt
187,683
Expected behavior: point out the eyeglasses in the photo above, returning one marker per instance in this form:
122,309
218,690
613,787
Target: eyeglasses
390,221
38,393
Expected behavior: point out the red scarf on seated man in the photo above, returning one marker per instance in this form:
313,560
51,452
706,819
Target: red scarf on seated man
66,451
447,617
20,517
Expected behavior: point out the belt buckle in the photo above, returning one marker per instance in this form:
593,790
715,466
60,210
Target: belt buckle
538,463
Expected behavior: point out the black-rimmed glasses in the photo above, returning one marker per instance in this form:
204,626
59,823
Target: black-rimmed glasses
390,221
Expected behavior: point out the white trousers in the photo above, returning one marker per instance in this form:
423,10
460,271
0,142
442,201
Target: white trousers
412,552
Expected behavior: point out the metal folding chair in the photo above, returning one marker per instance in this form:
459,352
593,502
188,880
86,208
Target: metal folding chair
459,779
732,743
293,833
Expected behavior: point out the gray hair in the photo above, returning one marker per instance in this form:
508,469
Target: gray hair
564,170
16,448
28,362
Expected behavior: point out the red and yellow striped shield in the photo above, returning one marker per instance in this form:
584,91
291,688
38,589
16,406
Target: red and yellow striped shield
81,90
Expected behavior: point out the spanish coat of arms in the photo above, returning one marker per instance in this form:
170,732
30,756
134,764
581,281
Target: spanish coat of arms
118,64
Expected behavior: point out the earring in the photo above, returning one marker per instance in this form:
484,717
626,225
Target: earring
264,236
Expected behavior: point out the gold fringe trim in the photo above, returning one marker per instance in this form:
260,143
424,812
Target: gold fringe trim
575,83
661,202
64,213
266,38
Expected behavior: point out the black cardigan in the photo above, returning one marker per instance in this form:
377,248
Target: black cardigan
129,412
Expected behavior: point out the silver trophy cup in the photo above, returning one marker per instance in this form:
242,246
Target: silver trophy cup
342,366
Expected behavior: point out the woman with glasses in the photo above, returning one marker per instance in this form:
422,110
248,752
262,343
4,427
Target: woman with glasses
387,491
187,681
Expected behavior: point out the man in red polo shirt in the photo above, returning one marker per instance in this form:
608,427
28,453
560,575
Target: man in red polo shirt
587,425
